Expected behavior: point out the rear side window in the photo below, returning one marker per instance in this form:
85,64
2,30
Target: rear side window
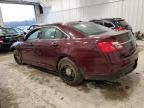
59,34
90,28
48,33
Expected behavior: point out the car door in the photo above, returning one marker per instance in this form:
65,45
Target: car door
44,52
49,45
28,46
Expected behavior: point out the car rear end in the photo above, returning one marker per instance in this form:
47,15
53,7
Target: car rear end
112,54
7,37
121,24
119,51
7,40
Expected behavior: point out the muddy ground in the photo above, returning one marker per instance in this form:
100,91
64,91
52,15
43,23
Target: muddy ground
31,87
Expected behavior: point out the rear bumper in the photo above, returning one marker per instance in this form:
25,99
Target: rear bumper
121,72
112,71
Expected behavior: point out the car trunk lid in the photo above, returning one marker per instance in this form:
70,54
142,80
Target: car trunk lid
118,45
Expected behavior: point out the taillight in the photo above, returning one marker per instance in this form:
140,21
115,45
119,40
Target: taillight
111,46
1,39
120,28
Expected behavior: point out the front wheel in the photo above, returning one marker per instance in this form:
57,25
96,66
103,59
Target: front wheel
18,57
69,72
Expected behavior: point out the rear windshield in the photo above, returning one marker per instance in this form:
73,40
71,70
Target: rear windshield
90,28
122,23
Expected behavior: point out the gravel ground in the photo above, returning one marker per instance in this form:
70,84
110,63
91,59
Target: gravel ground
31,87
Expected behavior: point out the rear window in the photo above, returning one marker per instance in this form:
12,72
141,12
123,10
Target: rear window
122,23
90,28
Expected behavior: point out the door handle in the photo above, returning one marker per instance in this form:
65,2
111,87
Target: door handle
30,44
55,44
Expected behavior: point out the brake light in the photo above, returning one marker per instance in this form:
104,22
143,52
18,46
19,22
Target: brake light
1,41
108,47
120,28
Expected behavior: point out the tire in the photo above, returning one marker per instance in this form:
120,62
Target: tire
69,72
18,57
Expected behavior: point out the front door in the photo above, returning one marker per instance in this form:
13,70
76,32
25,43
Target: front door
28,47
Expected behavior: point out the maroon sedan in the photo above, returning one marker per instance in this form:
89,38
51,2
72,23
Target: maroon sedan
79,50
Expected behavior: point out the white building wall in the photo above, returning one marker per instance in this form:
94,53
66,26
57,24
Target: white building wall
1,18
71,10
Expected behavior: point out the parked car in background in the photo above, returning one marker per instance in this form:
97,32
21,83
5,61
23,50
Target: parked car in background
7,37
20,31
79,50
114,23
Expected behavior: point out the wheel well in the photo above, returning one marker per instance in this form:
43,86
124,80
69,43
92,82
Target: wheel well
59,60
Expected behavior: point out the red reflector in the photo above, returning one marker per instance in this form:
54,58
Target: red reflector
120,28
107,47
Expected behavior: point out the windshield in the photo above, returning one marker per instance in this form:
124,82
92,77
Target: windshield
90,28
10,31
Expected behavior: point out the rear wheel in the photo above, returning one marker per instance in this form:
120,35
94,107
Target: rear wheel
17,57
69,72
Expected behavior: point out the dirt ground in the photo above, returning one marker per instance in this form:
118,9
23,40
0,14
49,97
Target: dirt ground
31,87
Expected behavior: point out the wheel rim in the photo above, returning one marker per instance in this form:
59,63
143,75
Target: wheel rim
67,72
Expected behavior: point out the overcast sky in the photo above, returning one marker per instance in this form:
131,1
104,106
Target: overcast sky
17,12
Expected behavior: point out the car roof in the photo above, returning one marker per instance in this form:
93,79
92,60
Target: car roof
113,19
109,19
66,27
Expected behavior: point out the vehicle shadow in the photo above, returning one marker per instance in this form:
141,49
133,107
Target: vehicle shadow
119,89
41,75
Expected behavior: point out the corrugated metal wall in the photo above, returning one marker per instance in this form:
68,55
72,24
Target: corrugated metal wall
71,10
